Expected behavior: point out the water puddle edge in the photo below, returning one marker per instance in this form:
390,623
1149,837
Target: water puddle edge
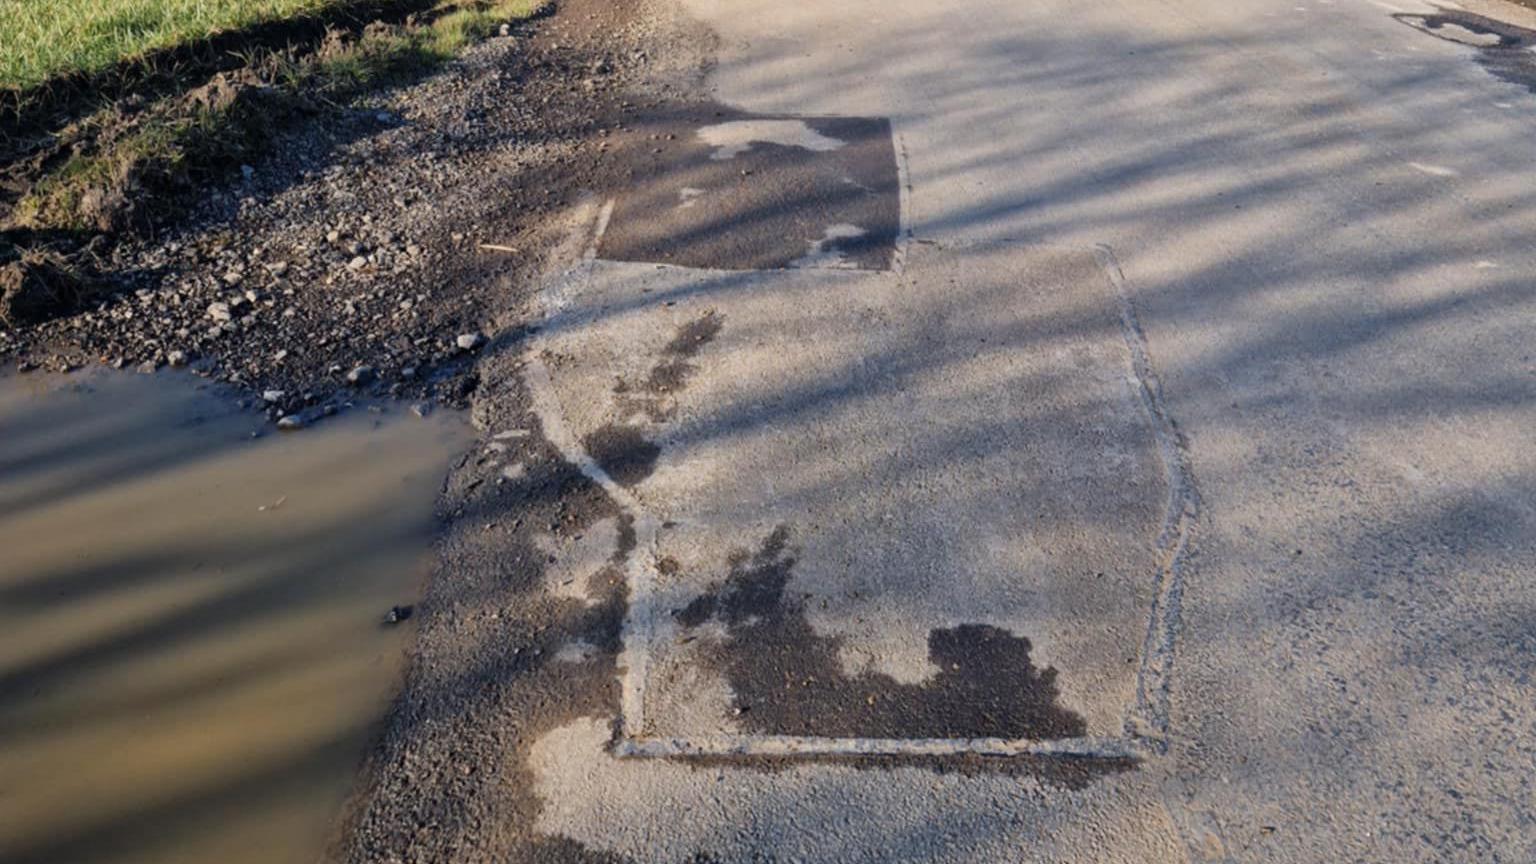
194,656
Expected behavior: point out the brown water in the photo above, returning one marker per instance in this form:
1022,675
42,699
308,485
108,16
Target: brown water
192,659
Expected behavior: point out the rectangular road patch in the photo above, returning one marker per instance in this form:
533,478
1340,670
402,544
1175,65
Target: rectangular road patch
724,190
876,514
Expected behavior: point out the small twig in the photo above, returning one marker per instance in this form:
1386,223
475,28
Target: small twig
492,247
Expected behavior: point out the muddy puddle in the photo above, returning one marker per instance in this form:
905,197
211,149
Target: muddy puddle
193,657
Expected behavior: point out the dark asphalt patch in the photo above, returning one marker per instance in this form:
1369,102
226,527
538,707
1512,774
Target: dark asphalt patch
788,680
720,189
1509,59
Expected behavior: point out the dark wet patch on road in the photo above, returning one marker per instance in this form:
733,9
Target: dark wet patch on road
655,396
1504,49
788,680
623,453
721,189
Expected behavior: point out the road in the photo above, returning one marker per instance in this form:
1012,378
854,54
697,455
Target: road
1135,462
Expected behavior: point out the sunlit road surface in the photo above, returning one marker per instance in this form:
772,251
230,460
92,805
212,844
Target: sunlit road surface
1067,432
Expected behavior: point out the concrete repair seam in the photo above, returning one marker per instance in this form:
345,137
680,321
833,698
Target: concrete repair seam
604,216
639,572
757,746
905,206
1153,676
1148,725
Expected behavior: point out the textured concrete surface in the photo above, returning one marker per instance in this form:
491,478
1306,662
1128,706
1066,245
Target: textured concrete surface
891,506
1323,213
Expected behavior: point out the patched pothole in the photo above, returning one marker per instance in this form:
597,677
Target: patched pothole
1507,51
724,190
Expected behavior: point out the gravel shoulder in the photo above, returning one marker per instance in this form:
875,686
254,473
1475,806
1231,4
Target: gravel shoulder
506,652
377,246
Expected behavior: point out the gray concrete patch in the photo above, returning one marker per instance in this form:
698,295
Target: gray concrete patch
952,529
724,190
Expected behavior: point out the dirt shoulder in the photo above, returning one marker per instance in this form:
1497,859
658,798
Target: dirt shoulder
390,245
370,246
505,653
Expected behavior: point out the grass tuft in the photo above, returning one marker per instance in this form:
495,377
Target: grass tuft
475,21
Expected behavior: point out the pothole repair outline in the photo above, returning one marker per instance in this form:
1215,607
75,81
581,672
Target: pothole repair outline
1147,722
814,191
1510,55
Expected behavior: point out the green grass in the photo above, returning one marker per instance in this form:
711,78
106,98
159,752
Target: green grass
470,22
382,56
44,39
172,141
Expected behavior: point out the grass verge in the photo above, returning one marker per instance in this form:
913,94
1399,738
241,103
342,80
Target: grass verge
45,39
122,164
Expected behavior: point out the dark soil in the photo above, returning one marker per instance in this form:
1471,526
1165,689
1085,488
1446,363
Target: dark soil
38,286
374,234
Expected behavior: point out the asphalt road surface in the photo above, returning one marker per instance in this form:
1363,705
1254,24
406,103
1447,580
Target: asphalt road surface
1063,431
